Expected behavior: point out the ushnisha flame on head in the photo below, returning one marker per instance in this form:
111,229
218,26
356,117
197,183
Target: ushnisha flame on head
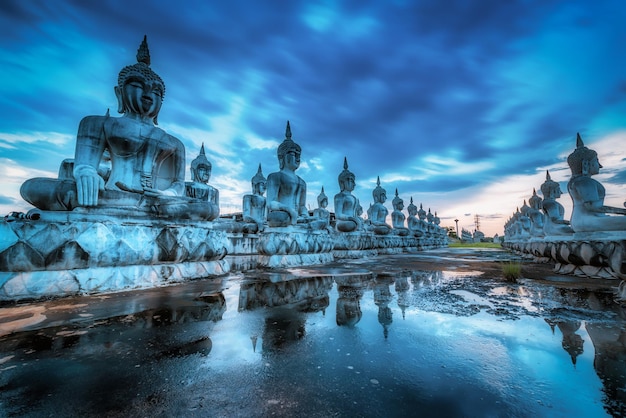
345,174
580,155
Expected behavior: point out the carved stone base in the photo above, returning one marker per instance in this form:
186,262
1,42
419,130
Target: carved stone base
39,284
293,260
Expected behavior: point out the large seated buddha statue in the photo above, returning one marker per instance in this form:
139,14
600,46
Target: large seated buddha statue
286,191
378,212
254,204
554,224
397,217
589,214
147,165
347,207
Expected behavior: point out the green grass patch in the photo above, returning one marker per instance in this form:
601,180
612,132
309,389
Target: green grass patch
474,245
512,270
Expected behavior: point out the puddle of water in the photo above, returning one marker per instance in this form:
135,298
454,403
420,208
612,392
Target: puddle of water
323,344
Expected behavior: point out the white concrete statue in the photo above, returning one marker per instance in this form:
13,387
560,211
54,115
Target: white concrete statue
147,165
589,214
321,212
347,208
415,227
397,217
554,222
199,188
254,205
286,191
536,216
378,212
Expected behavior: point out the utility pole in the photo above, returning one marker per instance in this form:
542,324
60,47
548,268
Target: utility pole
477,221
457,228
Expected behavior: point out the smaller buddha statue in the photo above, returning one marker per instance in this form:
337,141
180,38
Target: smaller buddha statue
535,215
554,224
524,220
378,211
199,189
347,207
589,214
413,222
254,204
286,191
321,212
397,217
421,214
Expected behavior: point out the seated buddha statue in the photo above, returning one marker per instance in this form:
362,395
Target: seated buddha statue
554,224
378,212
524,220
199,187
397,217
286,191
347,207
254,204
147,165
412,221
589,214
321,213
536,215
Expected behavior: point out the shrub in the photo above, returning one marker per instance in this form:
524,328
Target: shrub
512,270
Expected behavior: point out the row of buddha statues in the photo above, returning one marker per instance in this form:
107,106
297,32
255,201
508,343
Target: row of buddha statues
128,166
545,217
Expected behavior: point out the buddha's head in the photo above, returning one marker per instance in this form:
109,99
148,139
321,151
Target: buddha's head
535,201
412,209
379,194
289,152
322,199
421,213
397,202
201,168
259,182
140,90
583,161
346,178
550,188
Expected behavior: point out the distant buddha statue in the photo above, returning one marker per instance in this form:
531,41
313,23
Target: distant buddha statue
589,213
321,212
147,165
536,215
199,187
286,192
347,207
378,211
412,221
554,224
524,220
254,204
397,217
421,214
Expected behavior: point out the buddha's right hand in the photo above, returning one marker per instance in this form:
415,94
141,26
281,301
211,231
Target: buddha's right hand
88,185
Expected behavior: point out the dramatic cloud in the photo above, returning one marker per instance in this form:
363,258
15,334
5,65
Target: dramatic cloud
444,101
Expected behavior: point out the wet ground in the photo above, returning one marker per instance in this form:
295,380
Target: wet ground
439,333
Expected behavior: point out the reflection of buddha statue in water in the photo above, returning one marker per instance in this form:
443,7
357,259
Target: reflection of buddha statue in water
378,212
349,305
589,213
412,222
147,164
321,212
286,192
347,206
554,224
397,217
254,204
199,187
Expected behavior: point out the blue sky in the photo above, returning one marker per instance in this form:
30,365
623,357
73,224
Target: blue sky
461,105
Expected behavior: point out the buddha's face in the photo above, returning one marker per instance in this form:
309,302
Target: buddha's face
594,166
400,205
323,203
348,184
203,173
292,160
143,98
260,188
